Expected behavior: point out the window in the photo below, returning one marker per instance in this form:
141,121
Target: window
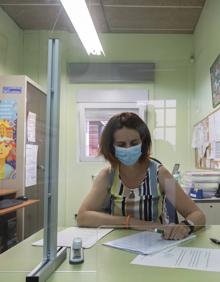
165,120
165,117
93,116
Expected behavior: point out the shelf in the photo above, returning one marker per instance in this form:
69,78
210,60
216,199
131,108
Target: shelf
6,192
15,208
206,200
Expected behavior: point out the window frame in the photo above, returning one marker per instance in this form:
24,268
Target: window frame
81,124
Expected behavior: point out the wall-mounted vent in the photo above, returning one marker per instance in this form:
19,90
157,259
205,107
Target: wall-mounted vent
111,72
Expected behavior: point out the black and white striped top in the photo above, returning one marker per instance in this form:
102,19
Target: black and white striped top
144,202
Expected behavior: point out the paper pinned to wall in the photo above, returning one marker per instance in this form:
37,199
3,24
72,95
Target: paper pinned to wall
217,127
183,257
217,151
206,141
31,165
200,139
31,127
195,137
211,128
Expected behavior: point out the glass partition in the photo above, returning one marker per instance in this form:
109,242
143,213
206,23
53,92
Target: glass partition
153,61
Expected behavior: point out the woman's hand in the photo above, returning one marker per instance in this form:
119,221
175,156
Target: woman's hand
175,231
170,231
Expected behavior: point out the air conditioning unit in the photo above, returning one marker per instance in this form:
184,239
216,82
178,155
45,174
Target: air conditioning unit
111,72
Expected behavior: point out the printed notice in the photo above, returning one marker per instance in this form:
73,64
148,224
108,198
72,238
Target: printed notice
31,164
217,127
31,127
183,257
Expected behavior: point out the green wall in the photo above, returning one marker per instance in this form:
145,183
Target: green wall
206,43
11,46
173,80
25,52
206,46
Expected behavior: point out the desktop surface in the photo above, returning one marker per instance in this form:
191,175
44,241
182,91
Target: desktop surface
102,263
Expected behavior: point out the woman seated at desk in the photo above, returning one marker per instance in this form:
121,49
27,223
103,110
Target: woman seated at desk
132,192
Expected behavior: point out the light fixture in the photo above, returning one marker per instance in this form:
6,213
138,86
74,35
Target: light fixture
79,15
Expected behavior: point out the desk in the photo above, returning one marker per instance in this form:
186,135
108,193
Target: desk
103,264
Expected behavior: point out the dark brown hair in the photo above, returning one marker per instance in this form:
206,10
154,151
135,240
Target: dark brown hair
131,121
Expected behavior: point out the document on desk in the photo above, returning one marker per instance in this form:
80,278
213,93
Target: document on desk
183,257
89,236
144,243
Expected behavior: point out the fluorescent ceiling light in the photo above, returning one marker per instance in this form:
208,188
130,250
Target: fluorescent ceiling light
80,17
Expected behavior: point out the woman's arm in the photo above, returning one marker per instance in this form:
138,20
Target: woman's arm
90,212
183,204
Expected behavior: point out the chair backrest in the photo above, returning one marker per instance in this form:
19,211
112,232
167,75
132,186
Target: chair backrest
169,211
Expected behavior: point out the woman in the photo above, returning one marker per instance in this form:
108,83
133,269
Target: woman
134,190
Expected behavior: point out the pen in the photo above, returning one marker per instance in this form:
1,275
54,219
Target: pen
157,230
216,241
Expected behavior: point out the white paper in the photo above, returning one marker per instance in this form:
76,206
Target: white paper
217,127
89,236
144,242
31,165
195,137
212,151
183,257
211,128
31,127
215,151
199,139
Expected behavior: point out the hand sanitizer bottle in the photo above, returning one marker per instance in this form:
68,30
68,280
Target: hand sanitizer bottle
76,252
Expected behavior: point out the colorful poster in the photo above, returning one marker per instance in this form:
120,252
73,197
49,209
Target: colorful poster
8,138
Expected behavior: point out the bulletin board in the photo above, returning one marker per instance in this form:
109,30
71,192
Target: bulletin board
206,141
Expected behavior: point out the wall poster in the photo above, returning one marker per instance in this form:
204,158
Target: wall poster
8,138
215,81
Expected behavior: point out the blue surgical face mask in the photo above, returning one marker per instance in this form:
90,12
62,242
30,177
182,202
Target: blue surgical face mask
128,156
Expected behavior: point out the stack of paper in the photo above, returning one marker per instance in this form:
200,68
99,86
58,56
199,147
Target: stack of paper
208,181
202,176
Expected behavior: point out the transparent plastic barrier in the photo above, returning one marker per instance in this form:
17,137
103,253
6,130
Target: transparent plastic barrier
101,262
114,264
